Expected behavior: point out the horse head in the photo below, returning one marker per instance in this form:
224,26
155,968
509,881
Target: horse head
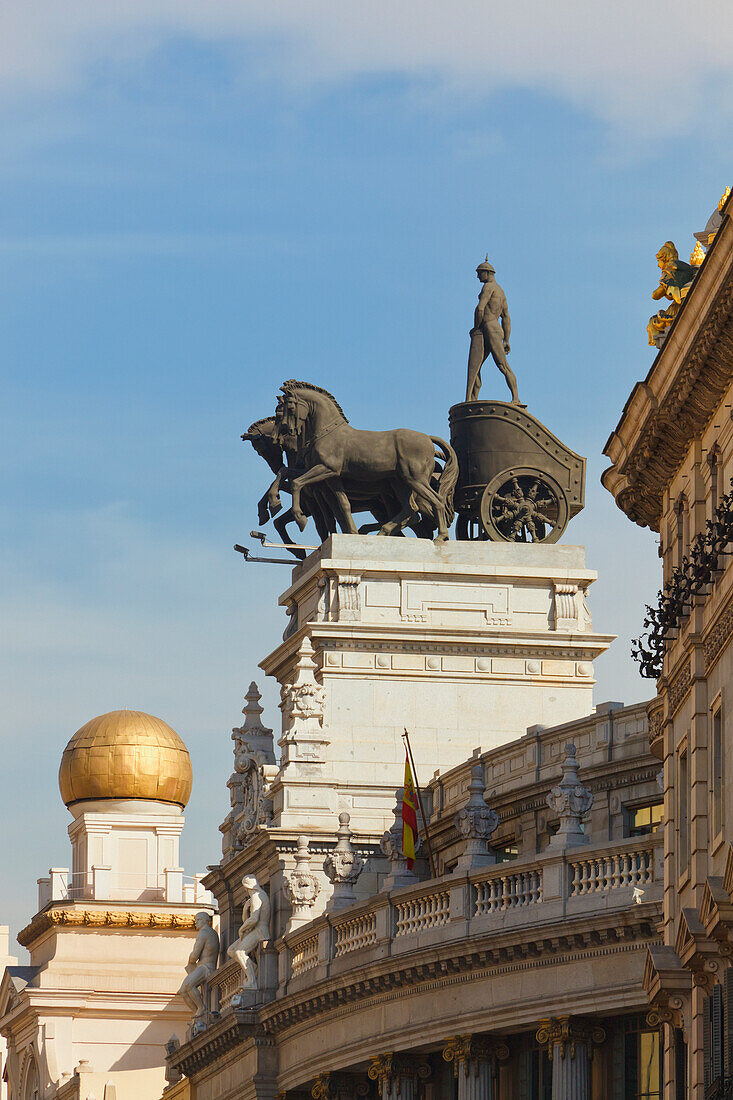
263,437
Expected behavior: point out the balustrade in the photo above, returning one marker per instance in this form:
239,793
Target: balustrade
420,913
305,956
351,935
508,891
610,872
557,885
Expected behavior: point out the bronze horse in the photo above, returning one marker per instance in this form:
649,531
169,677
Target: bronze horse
319,502
330,452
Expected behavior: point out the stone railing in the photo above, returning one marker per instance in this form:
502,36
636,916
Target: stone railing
557,885
305,956
510,890
426,911
354,933
223,984
597,874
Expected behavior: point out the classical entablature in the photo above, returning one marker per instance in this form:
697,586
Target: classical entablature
680,393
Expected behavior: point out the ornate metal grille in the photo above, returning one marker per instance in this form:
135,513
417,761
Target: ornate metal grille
694,577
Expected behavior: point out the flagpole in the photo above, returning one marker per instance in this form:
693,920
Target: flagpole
433,871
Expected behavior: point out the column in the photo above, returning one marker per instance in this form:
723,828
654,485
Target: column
570,1046
474,1059
398,1075
340,1086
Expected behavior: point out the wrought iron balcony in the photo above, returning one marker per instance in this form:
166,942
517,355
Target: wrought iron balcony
693,578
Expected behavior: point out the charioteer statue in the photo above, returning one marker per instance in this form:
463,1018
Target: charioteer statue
490,334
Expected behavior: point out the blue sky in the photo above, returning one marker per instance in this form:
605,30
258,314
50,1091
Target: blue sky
199,201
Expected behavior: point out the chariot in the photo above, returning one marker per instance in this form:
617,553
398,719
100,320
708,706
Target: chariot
517,482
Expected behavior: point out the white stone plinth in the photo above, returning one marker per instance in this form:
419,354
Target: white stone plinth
465,644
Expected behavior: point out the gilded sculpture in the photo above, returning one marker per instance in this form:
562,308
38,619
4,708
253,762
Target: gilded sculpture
674,285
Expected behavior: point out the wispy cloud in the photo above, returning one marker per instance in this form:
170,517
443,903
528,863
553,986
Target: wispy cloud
654,67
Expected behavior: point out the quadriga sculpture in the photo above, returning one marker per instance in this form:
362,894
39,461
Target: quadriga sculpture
397,468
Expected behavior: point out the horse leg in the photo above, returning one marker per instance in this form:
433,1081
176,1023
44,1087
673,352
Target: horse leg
345,507
339,513
435,505
321,472
281,526
403,517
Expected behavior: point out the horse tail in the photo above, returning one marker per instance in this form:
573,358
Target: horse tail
448,478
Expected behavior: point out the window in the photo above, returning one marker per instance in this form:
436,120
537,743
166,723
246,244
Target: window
683,826
507,851
713,1037
642,1056
643,820
639,1051
541,1076
30,1083
717,770
680,1064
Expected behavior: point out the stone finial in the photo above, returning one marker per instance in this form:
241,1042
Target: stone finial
253,732
571,801
254,765
343,866
303,702
301,886
391,844
476,822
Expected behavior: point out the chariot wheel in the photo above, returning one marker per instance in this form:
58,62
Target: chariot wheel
524,505
469,529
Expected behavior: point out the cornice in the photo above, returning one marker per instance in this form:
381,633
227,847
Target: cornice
118,919
222,1036
523,949
681,392
431,970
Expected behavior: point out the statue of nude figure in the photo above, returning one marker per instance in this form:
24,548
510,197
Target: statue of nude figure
202,963
255,928
490,334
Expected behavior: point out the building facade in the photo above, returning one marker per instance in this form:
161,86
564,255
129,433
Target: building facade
672,464
509,961
90,1016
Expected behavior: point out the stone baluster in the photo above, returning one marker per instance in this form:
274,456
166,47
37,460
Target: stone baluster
398,1075
571,801
391,844
343,866
476,822
569,1045
474,1059
301,886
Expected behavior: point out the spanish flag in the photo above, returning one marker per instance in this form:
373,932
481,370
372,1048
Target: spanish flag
409,816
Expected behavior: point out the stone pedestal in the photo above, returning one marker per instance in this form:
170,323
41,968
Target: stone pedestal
465,644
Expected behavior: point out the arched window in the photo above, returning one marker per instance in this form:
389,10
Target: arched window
29,1089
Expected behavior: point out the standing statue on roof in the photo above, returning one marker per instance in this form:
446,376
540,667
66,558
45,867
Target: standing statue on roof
490,334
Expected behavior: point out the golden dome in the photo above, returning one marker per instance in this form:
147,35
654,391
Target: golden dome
126,754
